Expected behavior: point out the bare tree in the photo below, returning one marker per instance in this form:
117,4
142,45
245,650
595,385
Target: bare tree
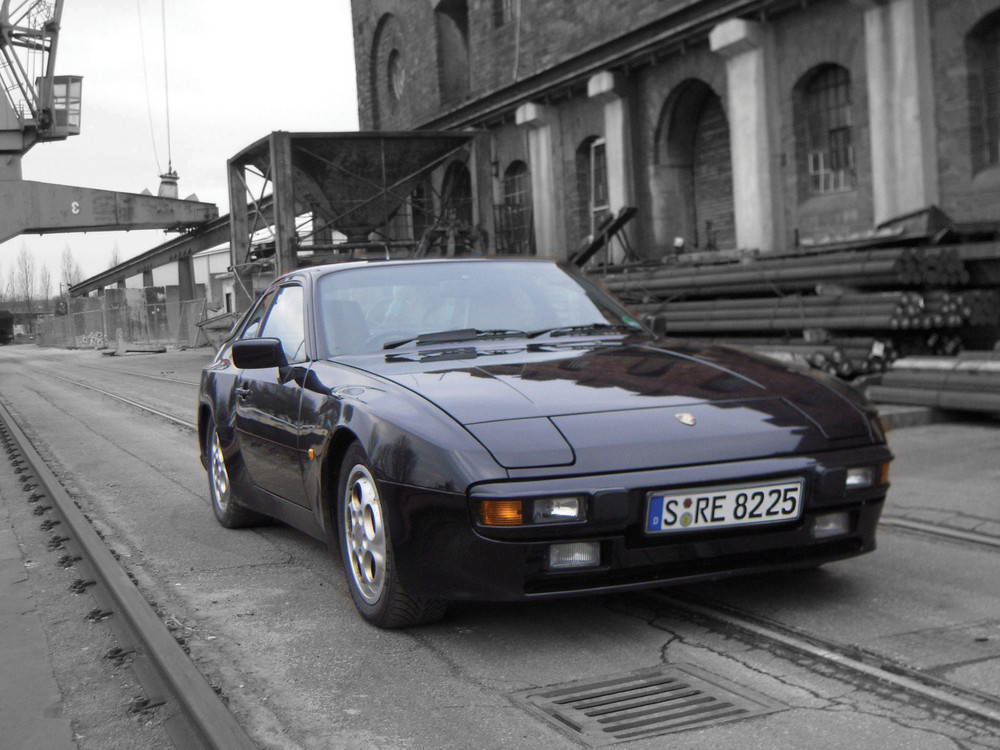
116,256
44,283
24,278
69,269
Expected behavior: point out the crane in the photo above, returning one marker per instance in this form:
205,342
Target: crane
36,106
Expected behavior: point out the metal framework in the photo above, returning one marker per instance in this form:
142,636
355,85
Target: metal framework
340,195
29,34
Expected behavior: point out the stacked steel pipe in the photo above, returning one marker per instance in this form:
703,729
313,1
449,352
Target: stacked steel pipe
881,268
844,357
969,382
847,312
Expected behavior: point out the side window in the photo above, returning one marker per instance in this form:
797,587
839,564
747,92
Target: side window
252,325
285,322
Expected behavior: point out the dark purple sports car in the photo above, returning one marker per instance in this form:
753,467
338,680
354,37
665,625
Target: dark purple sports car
502,429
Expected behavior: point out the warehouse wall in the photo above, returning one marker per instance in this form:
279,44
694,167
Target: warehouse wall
710,158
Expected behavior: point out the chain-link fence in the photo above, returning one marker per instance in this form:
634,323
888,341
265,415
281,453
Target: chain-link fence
137,318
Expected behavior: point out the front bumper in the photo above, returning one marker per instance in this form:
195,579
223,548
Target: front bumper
440,552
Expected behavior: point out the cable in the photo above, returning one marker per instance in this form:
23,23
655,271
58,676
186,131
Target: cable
166,84
145,79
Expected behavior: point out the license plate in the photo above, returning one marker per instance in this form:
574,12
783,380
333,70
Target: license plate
716,508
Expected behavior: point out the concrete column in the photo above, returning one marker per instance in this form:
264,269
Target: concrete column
185,278
541,121
608,89
741,43
901,104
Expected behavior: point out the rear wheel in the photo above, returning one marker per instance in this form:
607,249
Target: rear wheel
227,509
366,552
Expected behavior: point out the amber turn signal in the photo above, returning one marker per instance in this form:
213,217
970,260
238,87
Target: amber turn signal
884,474
501,513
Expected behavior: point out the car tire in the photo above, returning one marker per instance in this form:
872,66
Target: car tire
225,505
366,552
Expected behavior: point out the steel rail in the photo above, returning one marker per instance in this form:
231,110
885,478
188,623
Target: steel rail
869,666
209,723
144,407
146,375
927,529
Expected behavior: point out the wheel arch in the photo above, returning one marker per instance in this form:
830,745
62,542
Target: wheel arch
336,448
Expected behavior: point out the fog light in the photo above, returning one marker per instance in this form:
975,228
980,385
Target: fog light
831,524
861,476
574,555
557,509
500,513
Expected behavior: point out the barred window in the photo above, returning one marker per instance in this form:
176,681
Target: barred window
983,48
514,225
592,185
829,146
503,12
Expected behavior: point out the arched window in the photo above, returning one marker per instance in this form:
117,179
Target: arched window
983,53
452,23
824,128
514,228
592,185
693,207
387,70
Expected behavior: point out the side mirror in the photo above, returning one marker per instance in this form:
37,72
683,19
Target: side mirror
258,354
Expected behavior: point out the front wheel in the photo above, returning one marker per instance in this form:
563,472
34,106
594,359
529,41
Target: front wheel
366,552
227,509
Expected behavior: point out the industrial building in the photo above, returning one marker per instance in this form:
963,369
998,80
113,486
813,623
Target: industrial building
761,125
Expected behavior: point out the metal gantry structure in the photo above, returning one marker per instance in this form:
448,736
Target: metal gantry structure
305,198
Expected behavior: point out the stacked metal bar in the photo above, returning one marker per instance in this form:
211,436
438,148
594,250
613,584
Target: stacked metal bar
847,312
969,382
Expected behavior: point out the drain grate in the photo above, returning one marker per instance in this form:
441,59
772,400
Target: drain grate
644,703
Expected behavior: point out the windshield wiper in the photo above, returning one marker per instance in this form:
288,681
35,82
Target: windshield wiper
459,334
585,329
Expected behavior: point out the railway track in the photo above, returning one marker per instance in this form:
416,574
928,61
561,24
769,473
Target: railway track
199,719
864,668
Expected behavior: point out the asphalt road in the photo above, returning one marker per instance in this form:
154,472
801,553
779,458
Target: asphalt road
269,620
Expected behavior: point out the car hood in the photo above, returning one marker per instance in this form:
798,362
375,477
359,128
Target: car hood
636,403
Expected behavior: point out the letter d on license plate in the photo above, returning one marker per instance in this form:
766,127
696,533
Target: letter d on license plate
719,507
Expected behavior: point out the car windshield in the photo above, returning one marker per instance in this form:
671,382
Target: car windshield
384,305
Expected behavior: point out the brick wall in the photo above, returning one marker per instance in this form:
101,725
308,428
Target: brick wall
713,180
967,194
802,37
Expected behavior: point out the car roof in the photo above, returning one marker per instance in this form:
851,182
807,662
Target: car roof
314,272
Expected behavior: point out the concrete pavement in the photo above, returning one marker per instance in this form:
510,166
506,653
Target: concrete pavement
31,704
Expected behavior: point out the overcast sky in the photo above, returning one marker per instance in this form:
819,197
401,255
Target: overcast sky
237,70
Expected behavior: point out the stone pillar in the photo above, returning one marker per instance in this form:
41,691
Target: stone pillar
607,89
901,105
742,44
541,121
